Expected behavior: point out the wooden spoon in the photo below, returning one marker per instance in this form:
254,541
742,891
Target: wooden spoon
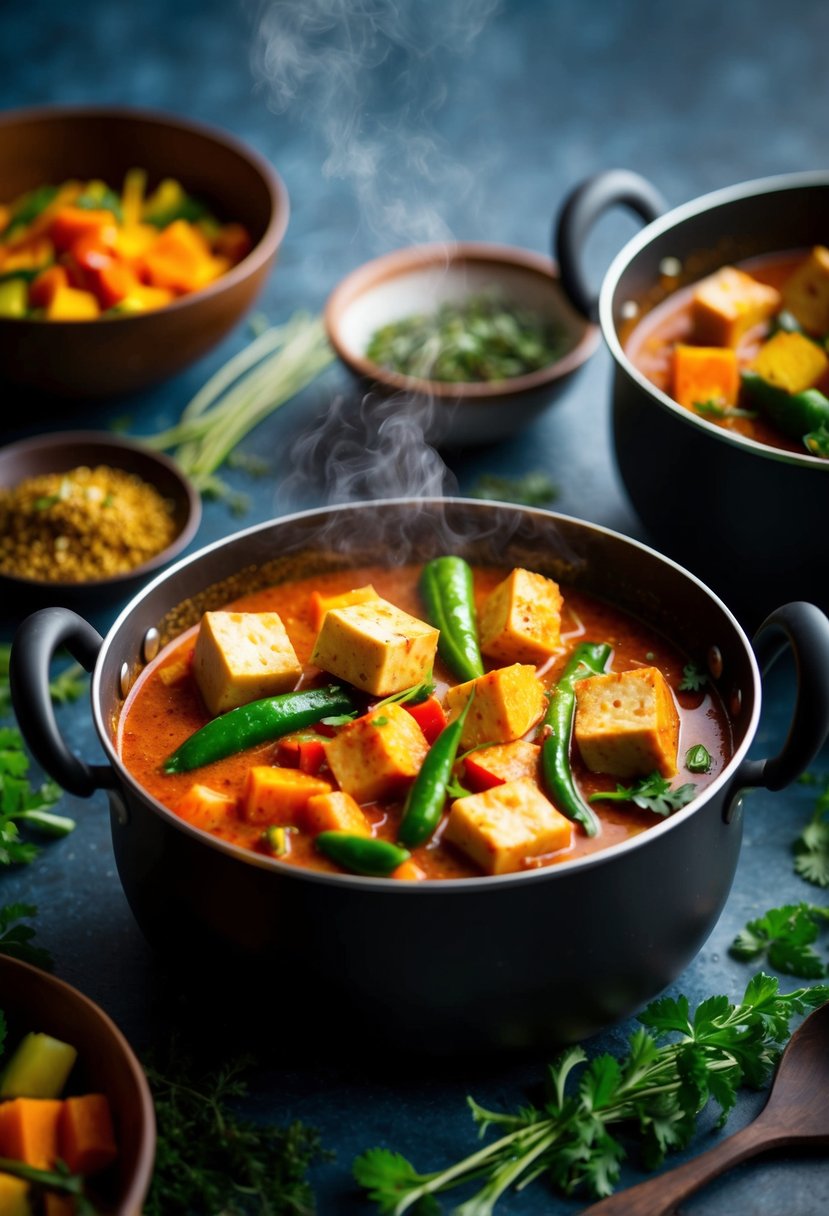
797,1112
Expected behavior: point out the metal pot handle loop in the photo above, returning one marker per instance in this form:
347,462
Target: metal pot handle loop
806,629
582,208
32,652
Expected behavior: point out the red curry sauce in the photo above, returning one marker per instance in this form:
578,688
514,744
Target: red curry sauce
158,717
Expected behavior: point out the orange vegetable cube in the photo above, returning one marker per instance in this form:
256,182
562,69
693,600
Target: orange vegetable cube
806,292
378,755
206,808
521,619
142,298
29,1131
502,828
279,795
72,223
729,303
705,373
320,604
626,723
69,304
42,289
334,812
180,260
86,1141
508,701
408,871
491,766
305,752
14,1196
790,361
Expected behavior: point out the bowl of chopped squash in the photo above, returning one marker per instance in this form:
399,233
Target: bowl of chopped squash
71,1091
130,243
717,318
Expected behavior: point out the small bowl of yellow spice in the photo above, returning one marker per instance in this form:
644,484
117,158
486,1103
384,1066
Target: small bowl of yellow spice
86,518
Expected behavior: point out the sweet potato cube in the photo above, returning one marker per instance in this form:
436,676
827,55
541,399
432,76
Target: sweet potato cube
806,292
376,647
502,828
320,604
279,795
627,724
378,755
241,657
70,304
491,766
705,373
206,808
334,812
728,303
86,1141
508,701
29,1131
521,619
790,361
14,1196
408,871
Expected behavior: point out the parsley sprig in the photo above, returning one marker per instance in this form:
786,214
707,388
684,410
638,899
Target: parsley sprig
16,938
21,805
652,793
811,849
785,936
675,1063
693,678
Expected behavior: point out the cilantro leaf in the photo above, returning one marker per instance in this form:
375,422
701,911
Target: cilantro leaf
786,936
16,937
811,849
693,678
715,409
22,804
410,696
652,793
533,489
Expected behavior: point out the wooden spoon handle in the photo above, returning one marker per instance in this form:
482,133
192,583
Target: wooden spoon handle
659,1196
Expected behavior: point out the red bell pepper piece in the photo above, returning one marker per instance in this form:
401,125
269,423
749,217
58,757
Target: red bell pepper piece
307,754
429,716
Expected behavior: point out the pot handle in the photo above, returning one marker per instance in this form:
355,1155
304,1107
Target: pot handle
806,629
33,649
582,208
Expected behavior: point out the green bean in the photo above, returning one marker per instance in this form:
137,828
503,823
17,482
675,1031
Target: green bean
446,587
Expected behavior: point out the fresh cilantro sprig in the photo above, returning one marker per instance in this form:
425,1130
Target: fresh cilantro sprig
410,696
16,938
675,1063
693,678
811,849
533,489
652,793
715,409
786,937
23,805
209,1159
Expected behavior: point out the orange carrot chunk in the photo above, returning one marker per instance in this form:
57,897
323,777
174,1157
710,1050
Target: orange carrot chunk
85,1136
705,373
29,1131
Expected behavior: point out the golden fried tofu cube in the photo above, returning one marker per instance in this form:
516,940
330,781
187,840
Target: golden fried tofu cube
521,619
728,303
790,361
206,808
378,755
489,766
504,827
508,701
376,647
806,292
320,604
279,795
334,812
241,657
627,724
705,373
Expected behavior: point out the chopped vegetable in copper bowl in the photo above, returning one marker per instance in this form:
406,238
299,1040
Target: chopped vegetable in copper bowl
445,793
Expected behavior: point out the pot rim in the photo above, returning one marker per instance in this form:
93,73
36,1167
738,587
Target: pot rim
658,227
127,783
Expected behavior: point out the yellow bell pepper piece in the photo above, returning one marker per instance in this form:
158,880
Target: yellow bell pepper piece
69,304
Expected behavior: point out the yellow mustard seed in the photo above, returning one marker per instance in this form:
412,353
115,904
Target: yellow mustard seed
81,525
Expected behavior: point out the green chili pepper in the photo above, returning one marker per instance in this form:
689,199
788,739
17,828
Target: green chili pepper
588,659
362,854
698,759
794,414
257,722
446,587
427,796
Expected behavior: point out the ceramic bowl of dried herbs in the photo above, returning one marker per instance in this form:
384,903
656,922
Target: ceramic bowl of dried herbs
475,339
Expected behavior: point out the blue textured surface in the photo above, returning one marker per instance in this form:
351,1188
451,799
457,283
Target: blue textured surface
456,117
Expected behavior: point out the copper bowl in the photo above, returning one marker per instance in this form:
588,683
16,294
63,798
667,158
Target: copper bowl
32,1000
124,353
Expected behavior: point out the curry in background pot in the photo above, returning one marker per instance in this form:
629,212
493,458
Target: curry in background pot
423,723
746,349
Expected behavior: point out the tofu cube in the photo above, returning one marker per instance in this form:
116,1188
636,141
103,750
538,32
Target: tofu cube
791,362
378,755
490,766
502,828
705,373
521,619
334,812
206,808
320,604
241,657
376,647
626,723
279,795
729,303
508,701
806,292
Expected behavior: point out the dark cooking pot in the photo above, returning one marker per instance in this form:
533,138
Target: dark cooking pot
549,955
724,505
